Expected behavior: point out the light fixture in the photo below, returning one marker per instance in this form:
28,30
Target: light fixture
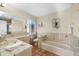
2,4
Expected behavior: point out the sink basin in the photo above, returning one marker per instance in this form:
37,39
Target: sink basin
14,45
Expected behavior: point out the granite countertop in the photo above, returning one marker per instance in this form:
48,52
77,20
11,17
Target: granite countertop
14,50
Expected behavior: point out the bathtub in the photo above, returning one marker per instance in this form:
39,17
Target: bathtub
57,48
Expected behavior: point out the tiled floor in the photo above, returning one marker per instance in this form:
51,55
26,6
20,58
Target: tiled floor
37,52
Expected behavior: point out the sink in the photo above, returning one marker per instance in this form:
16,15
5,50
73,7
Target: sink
14,45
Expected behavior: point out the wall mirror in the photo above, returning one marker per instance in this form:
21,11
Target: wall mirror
5,23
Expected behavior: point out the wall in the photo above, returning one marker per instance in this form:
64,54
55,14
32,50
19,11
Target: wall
64,22
46,24
75,19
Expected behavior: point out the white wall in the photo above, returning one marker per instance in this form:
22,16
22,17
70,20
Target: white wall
64,22
75,19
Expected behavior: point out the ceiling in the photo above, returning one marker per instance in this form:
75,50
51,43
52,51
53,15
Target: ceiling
41,9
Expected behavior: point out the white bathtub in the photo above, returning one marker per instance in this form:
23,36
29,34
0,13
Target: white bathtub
57,48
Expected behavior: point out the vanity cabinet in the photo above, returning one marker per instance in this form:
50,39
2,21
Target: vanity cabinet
19,48
26,52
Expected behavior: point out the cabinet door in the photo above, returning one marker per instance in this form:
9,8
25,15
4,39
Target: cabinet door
26,52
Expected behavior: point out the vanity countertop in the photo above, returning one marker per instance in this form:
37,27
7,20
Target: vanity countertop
13,47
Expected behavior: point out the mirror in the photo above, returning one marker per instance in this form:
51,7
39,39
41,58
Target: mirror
56,22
